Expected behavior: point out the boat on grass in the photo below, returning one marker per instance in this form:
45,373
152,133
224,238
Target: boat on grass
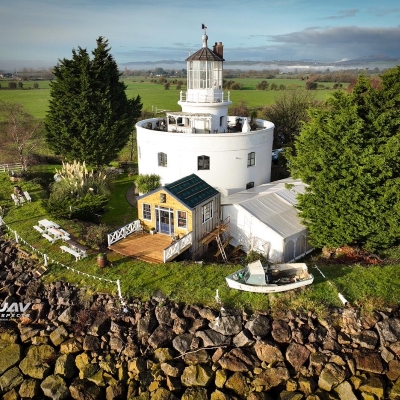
271,279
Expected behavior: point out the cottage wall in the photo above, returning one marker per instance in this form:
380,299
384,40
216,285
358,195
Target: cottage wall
194,216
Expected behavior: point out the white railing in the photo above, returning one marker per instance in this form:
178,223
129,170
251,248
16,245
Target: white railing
178,247
123,232
11,167
204,98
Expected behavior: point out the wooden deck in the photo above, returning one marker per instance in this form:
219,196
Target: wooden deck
143,246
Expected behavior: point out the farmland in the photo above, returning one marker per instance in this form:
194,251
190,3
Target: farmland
154,95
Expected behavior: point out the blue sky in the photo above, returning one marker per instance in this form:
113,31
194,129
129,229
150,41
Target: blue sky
36,33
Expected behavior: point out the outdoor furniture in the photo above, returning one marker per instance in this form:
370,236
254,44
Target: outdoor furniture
46,224
48,237
39,229
79,248
27,197
58,233
67,249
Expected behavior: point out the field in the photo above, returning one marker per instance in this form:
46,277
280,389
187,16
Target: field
154,95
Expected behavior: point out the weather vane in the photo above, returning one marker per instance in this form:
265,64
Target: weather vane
203,27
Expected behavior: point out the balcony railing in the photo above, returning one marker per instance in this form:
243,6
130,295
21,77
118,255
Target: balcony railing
205,98
178,247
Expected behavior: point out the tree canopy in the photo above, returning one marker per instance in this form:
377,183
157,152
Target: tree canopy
288,113
23,134
349,155
90,117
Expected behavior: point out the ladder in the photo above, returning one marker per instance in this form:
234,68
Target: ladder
221,248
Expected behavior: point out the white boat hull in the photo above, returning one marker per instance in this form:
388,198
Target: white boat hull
278,278
269,287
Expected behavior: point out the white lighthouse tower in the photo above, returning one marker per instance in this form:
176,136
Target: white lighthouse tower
223,150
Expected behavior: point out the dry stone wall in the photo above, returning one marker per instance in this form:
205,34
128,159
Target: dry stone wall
83,346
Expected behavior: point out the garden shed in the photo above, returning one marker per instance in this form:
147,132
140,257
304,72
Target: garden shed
264,219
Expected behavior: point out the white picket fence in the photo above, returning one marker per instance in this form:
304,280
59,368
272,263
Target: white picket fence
11,167
123,232
178,247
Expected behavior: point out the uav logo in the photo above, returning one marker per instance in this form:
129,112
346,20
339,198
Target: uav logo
13,310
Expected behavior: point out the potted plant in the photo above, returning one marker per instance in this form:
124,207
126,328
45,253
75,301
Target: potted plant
102,260
152,230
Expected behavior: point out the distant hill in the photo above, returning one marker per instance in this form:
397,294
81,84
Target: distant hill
367,62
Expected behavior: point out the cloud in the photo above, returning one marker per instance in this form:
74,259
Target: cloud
344,14
346,41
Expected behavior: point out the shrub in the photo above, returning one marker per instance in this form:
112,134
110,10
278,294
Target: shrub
95,236
147,183
254,256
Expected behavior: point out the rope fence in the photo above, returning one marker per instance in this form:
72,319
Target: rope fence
46,259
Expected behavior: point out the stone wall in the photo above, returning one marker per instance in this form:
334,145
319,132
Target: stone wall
80,345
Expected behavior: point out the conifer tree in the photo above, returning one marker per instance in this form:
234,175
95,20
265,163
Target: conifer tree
349,155
90,117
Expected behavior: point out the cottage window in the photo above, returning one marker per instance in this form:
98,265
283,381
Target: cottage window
203,162
251,159
207,211
147,212
162,160
182,219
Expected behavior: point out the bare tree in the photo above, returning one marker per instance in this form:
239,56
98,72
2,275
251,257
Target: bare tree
22,131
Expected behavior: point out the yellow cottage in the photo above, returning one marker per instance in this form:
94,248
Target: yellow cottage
188,205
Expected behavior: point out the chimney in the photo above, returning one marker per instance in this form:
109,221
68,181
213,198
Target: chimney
219,49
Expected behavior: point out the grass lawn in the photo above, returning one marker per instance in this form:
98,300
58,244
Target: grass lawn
154,96
369,287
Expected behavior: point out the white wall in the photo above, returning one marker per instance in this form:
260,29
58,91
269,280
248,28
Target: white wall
228,152
253,234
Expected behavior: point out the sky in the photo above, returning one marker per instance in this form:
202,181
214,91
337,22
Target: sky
38,33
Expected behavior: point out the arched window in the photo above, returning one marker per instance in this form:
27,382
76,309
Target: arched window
162,160
203,162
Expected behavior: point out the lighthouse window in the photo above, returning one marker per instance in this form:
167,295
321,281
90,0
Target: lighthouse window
203,162
251,159
162,160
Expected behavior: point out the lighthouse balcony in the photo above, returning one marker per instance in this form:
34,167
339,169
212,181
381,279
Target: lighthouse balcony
207,97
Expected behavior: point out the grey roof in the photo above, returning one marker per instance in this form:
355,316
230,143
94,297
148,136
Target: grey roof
205,54
273,204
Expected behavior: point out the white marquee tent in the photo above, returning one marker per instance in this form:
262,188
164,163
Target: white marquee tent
264,219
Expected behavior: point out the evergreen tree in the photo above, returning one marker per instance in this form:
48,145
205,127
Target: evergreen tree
90,118
349,155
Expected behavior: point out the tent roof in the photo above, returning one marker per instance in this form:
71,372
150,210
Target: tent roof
273,204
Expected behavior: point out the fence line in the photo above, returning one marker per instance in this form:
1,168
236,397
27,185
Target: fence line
18,239
11,167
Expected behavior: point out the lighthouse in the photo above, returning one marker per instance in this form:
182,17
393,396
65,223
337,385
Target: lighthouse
227,152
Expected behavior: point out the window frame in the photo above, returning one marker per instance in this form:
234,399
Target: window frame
207,211
251,159
162,159
146,212
179,218
203,159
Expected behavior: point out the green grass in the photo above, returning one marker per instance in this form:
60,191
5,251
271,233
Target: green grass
154,95
369,287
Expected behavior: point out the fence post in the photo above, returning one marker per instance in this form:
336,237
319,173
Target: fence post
119,288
